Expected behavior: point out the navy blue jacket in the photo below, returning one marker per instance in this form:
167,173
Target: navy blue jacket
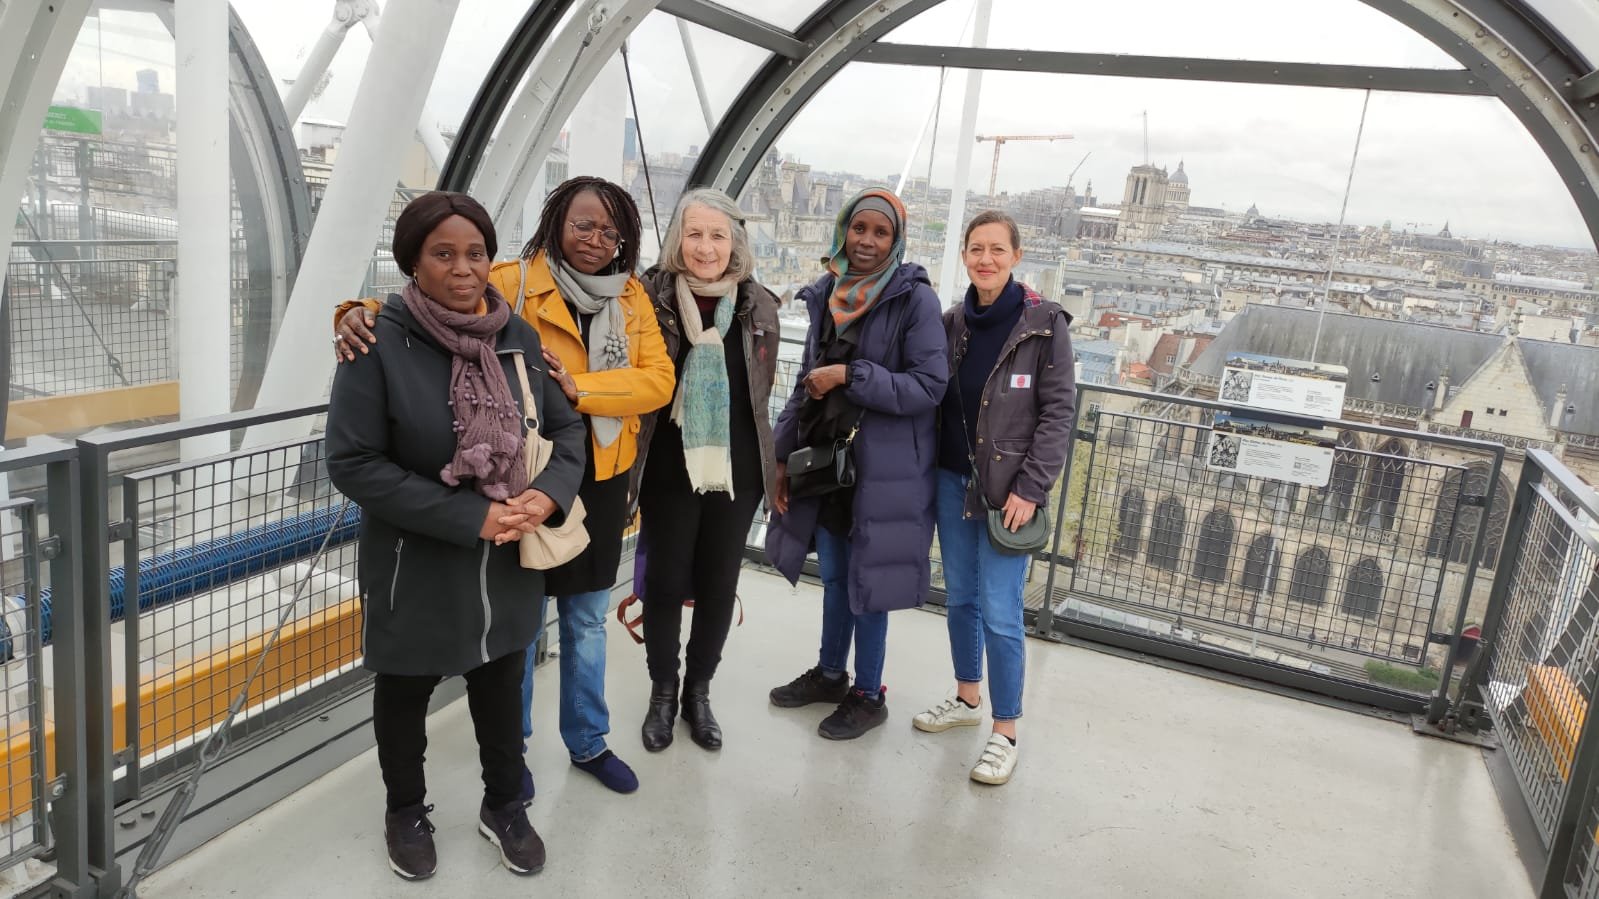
898,378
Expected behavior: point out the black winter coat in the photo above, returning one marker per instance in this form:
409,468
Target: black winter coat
436,599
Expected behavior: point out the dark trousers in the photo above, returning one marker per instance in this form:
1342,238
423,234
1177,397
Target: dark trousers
399,716
696,546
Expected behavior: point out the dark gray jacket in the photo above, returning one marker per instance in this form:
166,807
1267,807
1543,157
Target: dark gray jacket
1029,405
435,598
755,313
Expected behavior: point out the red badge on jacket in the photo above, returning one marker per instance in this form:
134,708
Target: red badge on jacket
1021,381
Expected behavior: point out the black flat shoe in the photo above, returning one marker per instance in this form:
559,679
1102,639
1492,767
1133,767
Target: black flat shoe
702,726
661,717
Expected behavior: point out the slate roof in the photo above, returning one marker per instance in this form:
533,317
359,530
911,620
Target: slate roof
1407,355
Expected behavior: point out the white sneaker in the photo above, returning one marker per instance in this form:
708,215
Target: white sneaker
947,714
997,763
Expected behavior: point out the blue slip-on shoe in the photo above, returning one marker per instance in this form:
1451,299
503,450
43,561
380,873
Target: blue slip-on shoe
611,771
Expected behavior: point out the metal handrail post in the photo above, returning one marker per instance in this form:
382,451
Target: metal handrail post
69,790
94,461
1463,711
1044,624
1439,706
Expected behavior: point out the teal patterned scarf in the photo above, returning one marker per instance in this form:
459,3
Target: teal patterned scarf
703,408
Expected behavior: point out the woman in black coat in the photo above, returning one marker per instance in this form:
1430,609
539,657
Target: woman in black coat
426,433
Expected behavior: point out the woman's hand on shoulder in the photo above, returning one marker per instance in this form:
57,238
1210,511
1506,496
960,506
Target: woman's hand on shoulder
354,332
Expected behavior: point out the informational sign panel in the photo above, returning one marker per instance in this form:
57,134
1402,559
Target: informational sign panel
1273,450
72,120
1284,385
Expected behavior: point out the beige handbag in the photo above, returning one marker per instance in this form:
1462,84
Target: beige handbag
548,547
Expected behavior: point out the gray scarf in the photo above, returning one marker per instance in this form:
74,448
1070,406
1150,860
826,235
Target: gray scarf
607,340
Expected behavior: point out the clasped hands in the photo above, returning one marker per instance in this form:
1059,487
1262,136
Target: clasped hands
824,379
524,514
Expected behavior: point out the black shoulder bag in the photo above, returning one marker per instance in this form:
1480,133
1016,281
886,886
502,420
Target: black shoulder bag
828,466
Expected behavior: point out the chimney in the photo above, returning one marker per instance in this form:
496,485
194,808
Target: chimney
1557,415
1443,391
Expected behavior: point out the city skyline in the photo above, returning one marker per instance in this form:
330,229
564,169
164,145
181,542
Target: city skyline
1425,159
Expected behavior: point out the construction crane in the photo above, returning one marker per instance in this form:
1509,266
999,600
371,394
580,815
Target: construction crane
999,143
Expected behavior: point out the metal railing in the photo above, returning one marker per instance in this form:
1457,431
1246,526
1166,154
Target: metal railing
1358,588
1533,678
43,776
150,586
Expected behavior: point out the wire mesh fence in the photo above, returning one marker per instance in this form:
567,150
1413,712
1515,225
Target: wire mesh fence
1341,568
1539,679
217,551
22,687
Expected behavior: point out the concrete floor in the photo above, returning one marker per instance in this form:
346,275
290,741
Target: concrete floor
1134,781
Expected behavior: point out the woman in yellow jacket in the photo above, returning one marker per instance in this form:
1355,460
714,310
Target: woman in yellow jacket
574,282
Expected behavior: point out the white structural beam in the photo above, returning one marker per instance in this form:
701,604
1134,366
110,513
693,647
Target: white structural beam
36,37
204,217
427,130
549,94
963,157
382,122
346,15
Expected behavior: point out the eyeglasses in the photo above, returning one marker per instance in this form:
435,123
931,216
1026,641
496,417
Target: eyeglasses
585,230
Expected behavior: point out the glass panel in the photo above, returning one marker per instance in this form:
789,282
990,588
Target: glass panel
93,269
1345,32
1282,153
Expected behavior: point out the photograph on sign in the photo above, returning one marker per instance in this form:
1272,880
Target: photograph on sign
1275,450
1284,385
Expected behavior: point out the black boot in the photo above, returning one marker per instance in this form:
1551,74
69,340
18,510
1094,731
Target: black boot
702,726
661,717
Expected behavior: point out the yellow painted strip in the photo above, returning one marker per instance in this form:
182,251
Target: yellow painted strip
72,412
178,704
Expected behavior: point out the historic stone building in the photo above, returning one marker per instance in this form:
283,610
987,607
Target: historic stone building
1368,566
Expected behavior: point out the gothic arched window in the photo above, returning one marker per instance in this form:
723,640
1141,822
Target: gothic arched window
1334,501
1130,522
1166,534
1363,592
1261,564
1469,520
1385,486
1309,581
1215,546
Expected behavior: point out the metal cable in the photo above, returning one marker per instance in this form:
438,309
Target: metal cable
111,357
644,158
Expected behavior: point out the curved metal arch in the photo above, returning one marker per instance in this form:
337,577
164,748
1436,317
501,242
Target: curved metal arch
274,203
1525,62
550,92
834,36
494,95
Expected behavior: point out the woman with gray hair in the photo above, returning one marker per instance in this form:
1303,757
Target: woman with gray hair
710,453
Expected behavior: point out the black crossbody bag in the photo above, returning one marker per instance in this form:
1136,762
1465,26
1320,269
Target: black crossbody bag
830,467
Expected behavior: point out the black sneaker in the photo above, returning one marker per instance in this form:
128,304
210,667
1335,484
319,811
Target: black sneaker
507,827
812,686
856,715
409,835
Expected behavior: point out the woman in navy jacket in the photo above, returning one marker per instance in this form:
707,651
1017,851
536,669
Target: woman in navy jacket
875,365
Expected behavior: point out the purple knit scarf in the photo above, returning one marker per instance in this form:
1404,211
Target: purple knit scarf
488,425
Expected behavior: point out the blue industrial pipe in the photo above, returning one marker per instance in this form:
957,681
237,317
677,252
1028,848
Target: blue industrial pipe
171,576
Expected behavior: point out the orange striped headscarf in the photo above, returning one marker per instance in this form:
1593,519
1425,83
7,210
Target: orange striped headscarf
855,292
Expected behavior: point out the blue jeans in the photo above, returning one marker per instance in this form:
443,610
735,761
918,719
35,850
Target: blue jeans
870,630
585,719
985,601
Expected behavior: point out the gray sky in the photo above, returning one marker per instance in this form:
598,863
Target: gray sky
1424,159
